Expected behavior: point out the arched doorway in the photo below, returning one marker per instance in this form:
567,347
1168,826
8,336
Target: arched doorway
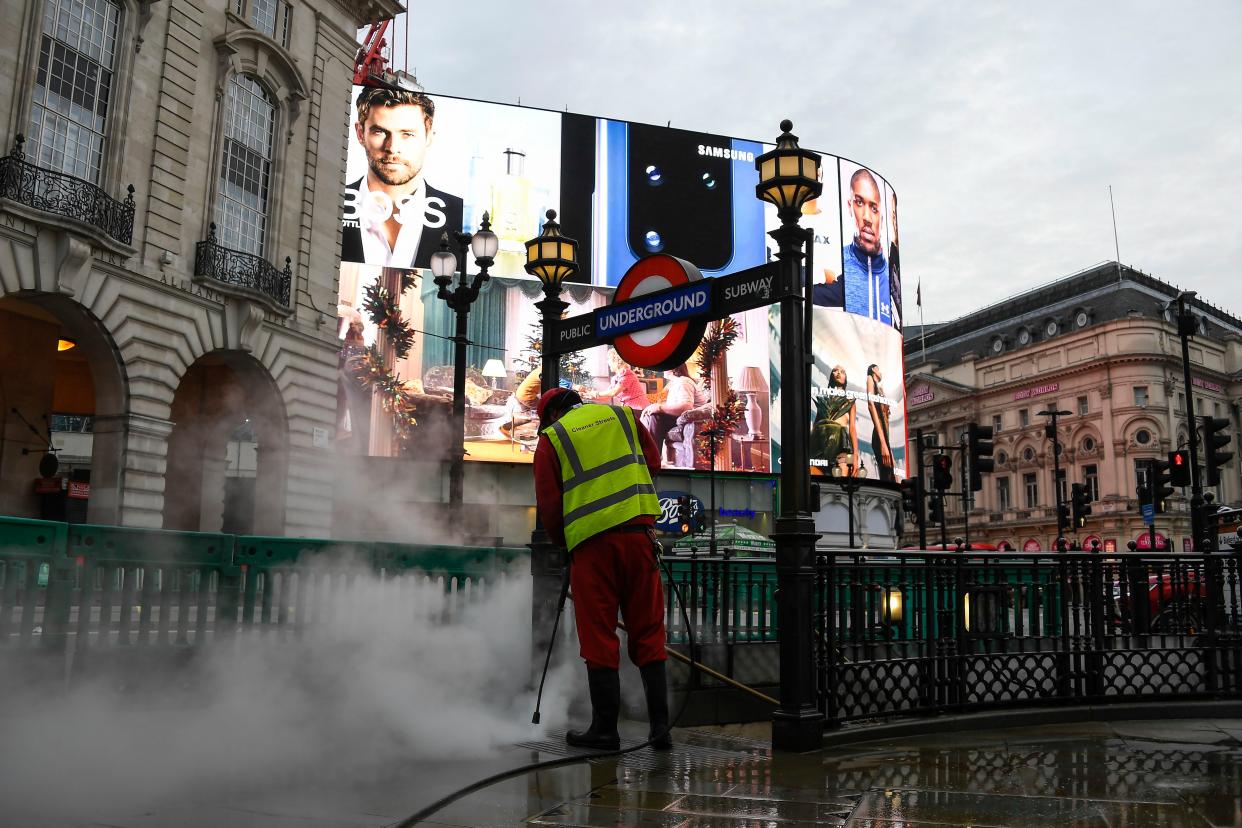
63,391
228,451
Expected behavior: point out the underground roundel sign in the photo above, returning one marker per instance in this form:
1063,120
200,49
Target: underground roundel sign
662,331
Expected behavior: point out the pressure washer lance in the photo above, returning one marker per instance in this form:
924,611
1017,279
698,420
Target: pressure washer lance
560,608
443,802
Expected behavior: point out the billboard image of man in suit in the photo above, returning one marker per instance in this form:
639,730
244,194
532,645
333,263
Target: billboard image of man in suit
393,217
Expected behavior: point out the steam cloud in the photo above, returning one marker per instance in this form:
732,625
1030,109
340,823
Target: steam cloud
393,671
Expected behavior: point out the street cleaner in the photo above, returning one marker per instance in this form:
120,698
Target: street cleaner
593,486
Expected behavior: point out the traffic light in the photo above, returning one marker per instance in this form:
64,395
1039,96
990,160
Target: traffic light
935,509
942,472
700,521
1213,442
683,514
1161,483
980,447
1179,468
1080,500
1208,525
1063,515
912,498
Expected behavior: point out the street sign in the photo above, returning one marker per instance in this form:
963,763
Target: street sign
1149,514
674,300
755,287
659,313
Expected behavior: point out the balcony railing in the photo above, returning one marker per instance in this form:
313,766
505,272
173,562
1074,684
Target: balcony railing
243,270
61,194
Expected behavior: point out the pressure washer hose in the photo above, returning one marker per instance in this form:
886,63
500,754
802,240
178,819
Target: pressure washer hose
444,801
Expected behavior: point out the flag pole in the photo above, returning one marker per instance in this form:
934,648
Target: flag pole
918,300
1116,247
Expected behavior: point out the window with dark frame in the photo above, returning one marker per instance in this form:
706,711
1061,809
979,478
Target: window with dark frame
263,16
245,166
1002,493
1024,417
1083,406
286,26
1031,484
1091,479
73,86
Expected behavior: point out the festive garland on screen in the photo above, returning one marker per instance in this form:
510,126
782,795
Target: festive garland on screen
367,366
720,336
725,420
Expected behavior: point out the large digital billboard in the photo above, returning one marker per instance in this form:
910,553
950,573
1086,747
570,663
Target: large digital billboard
421,165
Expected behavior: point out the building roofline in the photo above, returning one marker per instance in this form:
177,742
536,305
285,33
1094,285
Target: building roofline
1063,289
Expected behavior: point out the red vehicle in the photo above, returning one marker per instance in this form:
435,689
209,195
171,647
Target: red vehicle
1176,602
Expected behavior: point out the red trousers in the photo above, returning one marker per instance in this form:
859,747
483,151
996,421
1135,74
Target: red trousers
618,571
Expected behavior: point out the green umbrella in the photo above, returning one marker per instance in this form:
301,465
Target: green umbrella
730,536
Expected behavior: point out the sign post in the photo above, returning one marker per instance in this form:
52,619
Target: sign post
658,318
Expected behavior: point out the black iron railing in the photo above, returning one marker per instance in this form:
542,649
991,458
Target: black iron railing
926,632
244,270
64,195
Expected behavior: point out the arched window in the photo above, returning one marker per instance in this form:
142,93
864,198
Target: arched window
74,86
245,165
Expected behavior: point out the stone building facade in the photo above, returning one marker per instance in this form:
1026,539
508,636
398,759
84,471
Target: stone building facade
1102,345
169,205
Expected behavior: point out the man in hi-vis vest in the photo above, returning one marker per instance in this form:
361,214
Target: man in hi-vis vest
593,485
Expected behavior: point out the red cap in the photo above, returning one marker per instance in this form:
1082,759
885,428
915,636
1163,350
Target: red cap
547,397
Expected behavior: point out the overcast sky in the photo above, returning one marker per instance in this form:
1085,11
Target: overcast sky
1000,124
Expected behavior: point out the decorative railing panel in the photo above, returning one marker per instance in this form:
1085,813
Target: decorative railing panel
926,632
243,270
61,194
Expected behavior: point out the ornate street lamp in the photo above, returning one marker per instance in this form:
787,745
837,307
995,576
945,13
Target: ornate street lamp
552,258
459,298
789,176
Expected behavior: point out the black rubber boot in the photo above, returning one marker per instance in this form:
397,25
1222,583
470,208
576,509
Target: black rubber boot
655,683
605,685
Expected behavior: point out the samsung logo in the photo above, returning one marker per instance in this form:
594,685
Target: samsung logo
725,152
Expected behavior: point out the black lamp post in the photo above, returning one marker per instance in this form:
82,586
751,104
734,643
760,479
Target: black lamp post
552,258
851,482
460,297
789,176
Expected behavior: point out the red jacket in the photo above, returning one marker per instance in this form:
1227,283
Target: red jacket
548,492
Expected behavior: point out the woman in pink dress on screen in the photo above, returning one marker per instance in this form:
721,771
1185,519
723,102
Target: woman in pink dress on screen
626,388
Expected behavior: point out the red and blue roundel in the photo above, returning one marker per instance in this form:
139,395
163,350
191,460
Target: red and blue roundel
667,345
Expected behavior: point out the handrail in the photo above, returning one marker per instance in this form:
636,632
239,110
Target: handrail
244,270
52,191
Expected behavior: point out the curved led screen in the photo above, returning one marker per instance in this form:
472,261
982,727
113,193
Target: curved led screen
420,166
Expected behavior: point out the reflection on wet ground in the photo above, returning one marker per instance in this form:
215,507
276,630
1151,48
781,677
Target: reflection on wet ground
1164,774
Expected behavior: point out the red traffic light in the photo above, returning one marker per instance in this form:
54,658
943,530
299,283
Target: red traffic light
1179,459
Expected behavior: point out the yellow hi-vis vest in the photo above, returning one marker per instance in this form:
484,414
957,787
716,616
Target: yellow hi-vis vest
604,474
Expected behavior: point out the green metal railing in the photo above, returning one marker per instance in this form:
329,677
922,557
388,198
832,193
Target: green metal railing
107,587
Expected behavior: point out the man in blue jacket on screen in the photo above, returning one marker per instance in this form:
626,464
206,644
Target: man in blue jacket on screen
867,291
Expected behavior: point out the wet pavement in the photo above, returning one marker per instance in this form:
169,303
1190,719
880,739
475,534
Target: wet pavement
1165,774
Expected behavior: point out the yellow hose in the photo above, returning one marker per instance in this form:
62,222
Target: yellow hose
685,659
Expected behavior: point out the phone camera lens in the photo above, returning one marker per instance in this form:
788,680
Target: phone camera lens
708,181
654,242
655,176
